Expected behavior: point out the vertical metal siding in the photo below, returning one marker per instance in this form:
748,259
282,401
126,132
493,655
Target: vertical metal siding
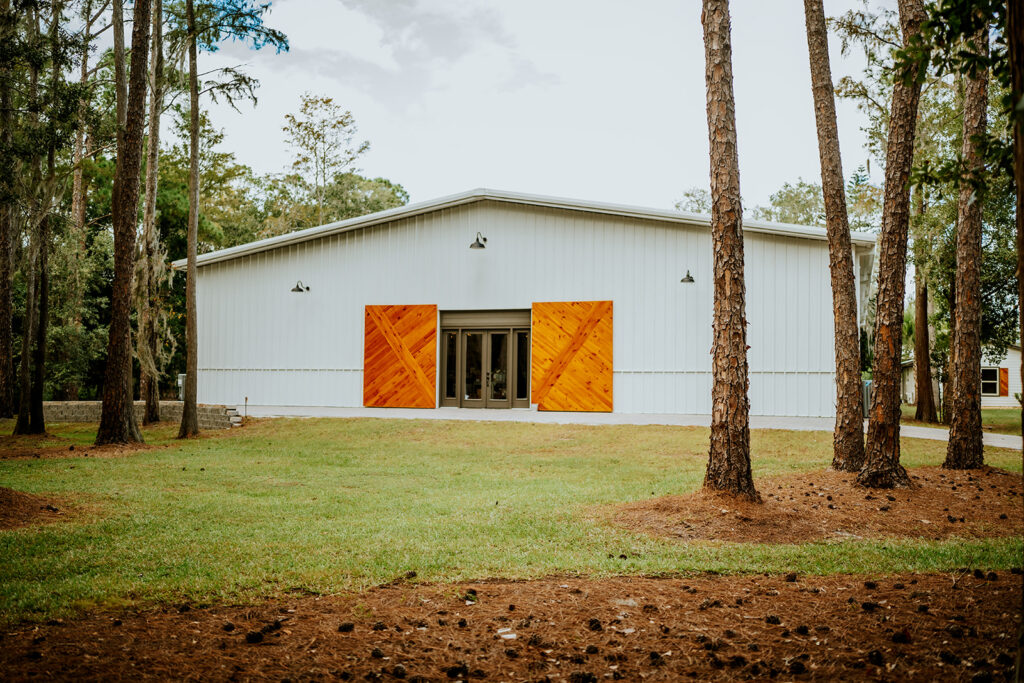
259,339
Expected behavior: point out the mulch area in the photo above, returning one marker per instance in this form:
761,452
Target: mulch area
19,509
917,627
826,504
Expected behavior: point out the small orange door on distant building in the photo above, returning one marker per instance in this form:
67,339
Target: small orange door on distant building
572,356
400,357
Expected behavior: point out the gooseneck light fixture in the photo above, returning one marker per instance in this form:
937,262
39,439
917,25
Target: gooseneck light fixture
688,279
479,243
299,287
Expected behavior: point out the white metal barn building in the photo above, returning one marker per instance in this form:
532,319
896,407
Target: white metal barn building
505,300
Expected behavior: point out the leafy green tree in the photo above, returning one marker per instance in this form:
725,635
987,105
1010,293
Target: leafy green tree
695,200
802,203
323,136
215,22
938,167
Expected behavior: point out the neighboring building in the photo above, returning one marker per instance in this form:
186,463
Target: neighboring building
999,383
559,304
908,383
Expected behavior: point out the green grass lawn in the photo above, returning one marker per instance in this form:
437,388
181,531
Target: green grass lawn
995,420
330,505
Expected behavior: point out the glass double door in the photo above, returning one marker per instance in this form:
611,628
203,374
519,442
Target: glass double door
486,368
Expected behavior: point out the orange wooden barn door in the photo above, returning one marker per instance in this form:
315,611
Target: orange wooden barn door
572,356
400,357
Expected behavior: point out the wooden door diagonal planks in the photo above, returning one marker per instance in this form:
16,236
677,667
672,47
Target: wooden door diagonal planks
400,356
572,356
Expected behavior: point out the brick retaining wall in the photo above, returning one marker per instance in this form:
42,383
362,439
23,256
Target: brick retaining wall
210,416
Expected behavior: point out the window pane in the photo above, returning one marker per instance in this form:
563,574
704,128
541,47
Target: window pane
990,388
474,366
451,366
522,365
499,366
990,374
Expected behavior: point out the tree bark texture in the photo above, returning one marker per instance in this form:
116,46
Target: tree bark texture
117,420
120,78
149,384
728,467
922,349
190,411
6,221
964,449
882,468
36,419
848,436
1015,43
947,395
22,423
69,391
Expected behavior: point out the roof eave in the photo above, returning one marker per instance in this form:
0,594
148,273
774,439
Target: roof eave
482,194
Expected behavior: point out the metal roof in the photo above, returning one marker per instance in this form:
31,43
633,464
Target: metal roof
482,194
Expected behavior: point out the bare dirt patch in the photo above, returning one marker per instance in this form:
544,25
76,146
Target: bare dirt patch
827,504
19,509
923,627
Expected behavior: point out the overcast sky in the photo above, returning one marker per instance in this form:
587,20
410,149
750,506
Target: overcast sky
589,99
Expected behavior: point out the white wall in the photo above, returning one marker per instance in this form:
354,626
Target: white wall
258,339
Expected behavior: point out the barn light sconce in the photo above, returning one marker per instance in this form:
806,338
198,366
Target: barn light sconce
688,279
478,244
299,287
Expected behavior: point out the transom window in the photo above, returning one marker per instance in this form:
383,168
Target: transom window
990,381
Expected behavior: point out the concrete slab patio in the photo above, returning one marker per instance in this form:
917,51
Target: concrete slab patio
814,424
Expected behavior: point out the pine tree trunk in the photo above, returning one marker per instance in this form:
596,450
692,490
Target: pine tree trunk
947,395
6,320
36,419
848,436
925,411
1015,43
882,468
6,222
70,389
117,420
964,449
190,411
120,78
22,423
728,467
148,347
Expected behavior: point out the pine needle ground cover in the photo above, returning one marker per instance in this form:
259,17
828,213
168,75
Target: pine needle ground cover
287,507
